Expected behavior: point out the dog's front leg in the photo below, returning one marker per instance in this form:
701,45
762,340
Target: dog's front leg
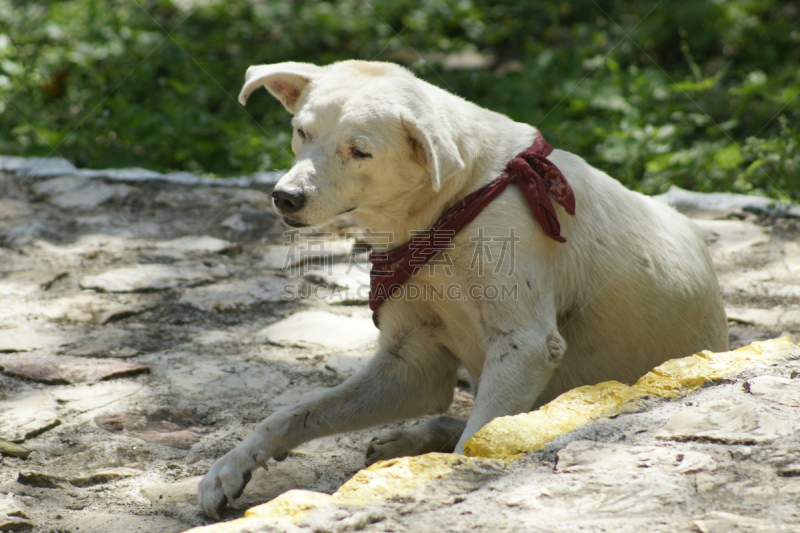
518,365
410,376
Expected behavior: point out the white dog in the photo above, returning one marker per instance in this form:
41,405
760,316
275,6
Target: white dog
631,287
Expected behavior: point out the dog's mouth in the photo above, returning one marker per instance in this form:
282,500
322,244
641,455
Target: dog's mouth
297,224
293,223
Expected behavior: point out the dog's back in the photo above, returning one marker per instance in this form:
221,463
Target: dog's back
642,291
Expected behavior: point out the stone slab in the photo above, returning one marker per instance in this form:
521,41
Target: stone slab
37,166
600,457
93,522
322,330
42,167
317,447
306,257
27,282
776,389
13,523
48,368
238,222
87,468
263,486
92,396
732,236
10,507
90,307
723,202
25,336
29,416
109,342
18,235
726,422
171,426
722,522
56,479
78,193
201,244
12,209
220,380
153,277
348,363
350,282
776,317
235,295
351,275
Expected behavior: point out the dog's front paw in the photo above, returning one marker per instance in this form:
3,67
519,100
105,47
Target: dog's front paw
225,482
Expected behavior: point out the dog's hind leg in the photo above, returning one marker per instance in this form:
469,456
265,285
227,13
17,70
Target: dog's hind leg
411,375
438,434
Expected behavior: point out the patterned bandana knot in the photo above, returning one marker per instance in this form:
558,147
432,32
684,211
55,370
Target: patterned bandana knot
538,179
517,164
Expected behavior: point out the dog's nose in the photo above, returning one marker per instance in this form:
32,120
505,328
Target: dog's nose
288,200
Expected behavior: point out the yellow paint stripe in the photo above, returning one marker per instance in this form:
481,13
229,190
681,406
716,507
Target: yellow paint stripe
508,438
289,506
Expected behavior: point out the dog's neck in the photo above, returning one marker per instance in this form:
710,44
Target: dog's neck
485,156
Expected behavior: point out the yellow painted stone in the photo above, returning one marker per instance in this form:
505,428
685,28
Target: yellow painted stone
378,482
290,506
509,437
394,477
240,525
677,377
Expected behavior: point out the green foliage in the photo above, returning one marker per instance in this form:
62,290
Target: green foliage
774,163
655,93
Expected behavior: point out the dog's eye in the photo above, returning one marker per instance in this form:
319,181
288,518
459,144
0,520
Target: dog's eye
301,133
358,154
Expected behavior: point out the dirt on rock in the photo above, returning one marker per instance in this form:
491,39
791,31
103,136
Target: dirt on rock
137,342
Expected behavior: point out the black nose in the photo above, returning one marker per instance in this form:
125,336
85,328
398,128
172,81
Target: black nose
288,200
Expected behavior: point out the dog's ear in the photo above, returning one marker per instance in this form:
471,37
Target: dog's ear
285,81
438,148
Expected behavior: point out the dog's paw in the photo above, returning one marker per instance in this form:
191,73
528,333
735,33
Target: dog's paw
391,444
224,482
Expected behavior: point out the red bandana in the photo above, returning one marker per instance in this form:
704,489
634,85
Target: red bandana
536,177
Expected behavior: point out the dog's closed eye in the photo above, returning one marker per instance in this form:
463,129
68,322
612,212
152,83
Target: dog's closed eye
301,133
358,154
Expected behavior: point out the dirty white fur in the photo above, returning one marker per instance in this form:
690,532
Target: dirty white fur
632,287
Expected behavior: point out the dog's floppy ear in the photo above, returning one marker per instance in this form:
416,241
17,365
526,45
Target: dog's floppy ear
439,148
285,81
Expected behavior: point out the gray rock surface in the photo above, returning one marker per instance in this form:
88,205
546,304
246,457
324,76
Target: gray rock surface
618,474
310,329
781,390
727,422
75,192
153,277
12,517
725,203
235,295
29,416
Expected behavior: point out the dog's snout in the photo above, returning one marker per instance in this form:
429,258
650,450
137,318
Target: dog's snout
288,200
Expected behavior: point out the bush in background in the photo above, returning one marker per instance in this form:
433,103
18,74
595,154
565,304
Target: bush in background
655,93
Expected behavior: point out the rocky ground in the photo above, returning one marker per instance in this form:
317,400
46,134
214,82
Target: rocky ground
148,322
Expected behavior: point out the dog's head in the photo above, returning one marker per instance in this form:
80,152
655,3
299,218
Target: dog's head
366,134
